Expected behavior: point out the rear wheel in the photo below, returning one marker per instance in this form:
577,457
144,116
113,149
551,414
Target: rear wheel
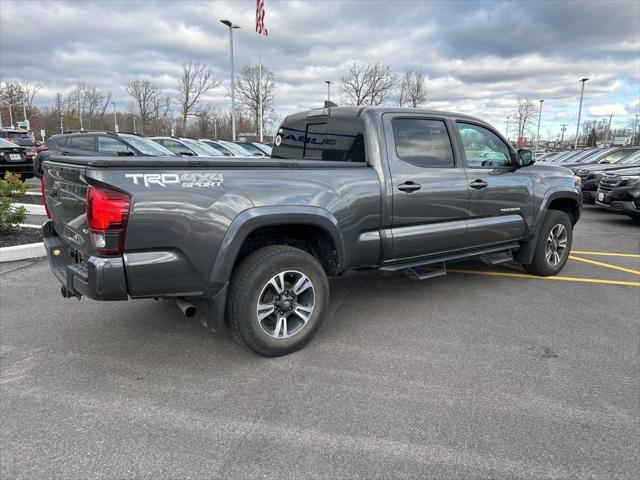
277,299
554,245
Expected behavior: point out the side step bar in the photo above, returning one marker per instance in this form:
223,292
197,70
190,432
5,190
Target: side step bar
491,256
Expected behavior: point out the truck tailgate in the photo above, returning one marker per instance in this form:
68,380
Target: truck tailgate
65,191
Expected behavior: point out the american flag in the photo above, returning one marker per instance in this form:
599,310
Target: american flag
260,28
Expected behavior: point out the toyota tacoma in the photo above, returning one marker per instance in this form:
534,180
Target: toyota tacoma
248,244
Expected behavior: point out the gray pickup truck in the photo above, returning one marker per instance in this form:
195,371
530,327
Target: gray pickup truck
248,244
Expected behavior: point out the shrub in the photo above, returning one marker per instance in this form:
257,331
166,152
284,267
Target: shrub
11,216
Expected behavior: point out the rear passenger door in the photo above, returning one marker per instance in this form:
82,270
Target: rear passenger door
501,193
430,187
81,144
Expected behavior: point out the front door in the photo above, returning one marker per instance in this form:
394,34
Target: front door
430,186
501,194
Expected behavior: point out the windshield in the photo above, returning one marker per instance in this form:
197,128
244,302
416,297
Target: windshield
251,148
213,146
146,146
265,148
202,149
580,155
631,159
615,156
235,149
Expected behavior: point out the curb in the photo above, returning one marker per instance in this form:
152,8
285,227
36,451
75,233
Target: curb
32,209
22,252
29,225
34,193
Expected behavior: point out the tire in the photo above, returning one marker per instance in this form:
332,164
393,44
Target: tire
542,265
257,279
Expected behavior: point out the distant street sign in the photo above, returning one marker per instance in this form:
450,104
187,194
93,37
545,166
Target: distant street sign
23,125
42,134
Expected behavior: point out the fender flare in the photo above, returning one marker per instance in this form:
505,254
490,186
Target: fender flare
566,192
257,217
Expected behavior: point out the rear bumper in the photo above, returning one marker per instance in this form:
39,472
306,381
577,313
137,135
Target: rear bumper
24,169
99,278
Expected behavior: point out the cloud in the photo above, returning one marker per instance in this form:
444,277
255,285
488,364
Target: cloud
616,109
479,57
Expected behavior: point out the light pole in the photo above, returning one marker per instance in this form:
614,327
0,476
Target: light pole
583,80
233,95
115,119
635,129
134,124
506,133
10,116
328,82
539,118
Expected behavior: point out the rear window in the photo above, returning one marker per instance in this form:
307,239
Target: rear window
20,135
329,139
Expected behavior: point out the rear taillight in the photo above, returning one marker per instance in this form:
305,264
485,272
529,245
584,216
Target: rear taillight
107,215
44,196
41,148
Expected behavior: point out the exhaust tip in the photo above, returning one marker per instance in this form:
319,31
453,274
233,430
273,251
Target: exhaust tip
187,309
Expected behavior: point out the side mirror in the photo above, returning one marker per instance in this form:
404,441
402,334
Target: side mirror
525,157
124,153
186,153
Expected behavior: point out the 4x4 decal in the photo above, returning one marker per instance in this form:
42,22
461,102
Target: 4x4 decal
185,180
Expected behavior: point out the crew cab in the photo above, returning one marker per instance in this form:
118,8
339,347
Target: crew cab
248,244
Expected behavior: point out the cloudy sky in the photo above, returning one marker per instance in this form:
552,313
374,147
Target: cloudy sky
479,56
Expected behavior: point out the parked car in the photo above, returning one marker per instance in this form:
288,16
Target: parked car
591,174
620,192
264,147
14,159
97,143
19,137
187,147
249,245
603,156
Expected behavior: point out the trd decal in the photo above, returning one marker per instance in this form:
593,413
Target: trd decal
185,180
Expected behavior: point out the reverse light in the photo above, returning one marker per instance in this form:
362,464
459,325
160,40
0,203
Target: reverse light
577,181
107,216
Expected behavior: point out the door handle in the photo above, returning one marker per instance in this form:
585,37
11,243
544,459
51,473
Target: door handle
409,187
64,153
478,184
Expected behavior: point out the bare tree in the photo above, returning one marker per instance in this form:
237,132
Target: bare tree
413,91
249,89
525,110
145,94
370,84
197,79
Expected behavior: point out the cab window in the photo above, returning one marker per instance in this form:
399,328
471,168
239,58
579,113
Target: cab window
483,148
422,142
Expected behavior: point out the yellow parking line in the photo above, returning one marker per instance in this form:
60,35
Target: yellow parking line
565,279
606,265
606,254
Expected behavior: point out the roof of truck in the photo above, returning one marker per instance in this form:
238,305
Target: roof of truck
356,111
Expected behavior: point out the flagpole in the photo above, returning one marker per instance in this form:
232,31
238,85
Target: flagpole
260,89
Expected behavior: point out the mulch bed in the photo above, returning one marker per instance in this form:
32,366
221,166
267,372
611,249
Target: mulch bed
20,237
32,199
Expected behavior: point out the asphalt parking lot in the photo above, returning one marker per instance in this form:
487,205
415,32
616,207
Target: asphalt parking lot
486,373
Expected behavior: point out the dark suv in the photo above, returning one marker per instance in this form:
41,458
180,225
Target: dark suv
98,143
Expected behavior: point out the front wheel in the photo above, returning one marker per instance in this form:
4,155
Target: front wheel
277,300
554,245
